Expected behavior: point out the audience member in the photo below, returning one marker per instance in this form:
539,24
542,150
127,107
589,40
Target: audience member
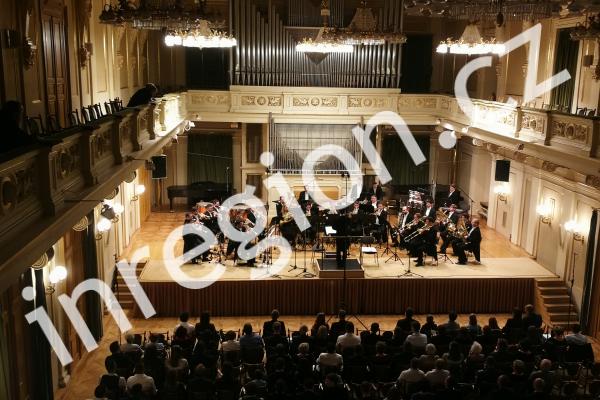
143,96
349,339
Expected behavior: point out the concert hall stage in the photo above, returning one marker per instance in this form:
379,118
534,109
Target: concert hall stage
495,286
504,279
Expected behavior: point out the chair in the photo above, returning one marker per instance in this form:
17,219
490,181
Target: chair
92,112
98,110
85,114
591,113
581,111
108,108
367,247
52,124
35,127
74,118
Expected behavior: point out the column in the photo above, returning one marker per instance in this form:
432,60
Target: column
93,307
39,356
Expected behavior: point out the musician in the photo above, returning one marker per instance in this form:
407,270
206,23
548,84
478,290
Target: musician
304,197
279,204
376,191
355,210
210,218
404,218
342,228
471,242
379,227
425,242
191,239
408,230
312,213
429,210
371,206
453,196
289,230
216,204
452,217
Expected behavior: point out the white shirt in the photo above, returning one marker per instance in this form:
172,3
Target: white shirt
417,340
427,211
330,360
374,205
348,340
146,381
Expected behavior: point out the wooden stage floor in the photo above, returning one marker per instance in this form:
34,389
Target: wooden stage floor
504,279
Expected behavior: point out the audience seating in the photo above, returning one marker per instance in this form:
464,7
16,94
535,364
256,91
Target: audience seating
287,366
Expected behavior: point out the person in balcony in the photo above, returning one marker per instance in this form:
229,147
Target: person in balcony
143,96
11,116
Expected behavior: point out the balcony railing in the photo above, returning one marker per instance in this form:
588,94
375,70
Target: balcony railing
573,134
40,185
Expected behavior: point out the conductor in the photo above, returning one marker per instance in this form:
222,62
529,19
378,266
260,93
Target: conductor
342,243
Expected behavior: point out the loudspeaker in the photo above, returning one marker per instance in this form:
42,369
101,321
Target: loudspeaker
160,167
502,170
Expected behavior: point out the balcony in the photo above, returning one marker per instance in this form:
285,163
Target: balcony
43,190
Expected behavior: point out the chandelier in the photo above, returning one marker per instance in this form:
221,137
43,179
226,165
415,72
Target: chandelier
201,37
361,31
470,43
588,31
325,43
167,15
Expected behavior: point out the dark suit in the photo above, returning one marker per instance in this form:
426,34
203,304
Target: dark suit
444,232
380,226
342,227
453,198
430,214
472,243
304,198
426,243
377,193
402,221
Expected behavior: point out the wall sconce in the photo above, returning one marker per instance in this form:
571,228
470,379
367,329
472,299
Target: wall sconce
502,190
544,210
189,125
137,191
103,225
573,227
58,274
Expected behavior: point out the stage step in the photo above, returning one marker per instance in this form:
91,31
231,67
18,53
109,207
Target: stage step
556,303
122,291
553,290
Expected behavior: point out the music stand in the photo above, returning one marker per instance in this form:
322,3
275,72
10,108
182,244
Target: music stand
409,273
342,303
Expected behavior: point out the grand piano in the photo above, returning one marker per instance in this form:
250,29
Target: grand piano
198,191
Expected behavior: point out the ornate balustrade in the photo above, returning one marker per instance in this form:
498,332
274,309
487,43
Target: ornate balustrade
43,186
572,134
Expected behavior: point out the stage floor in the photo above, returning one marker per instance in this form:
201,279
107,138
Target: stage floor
500,259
